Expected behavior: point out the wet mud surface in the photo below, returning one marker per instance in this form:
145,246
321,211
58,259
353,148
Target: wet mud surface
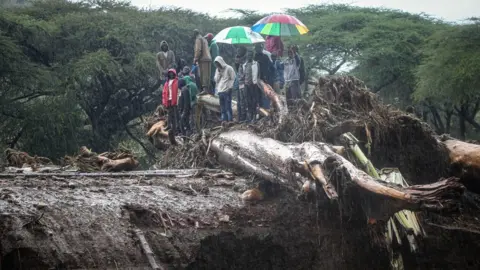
189,223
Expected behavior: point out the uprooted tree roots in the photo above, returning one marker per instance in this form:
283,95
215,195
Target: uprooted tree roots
390,137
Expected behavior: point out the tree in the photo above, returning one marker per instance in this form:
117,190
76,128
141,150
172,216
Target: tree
450,72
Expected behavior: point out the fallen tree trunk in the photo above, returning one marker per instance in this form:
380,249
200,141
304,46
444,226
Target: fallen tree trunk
277,161
465,162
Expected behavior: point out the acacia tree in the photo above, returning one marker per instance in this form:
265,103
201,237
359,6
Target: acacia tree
449,73
84,69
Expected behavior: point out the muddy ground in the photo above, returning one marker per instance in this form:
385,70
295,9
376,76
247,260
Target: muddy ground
88,223
67,223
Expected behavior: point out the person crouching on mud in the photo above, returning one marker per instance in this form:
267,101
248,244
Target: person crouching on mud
170,99
224,80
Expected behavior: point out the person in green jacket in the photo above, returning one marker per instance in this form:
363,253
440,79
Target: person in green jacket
214,52
192,87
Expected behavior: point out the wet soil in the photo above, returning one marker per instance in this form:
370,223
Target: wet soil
190,223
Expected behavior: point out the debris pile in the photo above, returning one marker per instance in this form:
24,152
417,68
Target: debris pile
88,161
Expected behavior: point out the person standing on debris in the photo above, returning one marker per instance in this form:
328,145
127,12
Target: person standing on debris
184,106
224,79
165,60
292,76
184,72
250,76
274,45
170,99
265,72
301,68
240,59
278,80
214,52
193,90
203,59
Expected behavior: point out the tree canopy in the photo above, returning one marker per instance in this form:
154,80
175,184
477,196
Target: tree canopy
77,73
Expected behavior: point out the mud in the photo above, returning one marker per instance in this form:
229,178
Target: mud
88,223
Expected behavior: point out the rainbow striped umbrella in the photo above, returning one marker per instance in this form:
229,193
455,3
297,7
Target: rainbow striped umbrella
280,25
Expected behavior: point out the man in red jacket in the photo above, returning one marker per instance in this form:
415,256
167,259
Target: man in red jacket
170,99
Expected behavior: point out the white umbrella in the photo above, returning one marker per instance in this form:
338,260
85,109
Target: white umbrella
238,35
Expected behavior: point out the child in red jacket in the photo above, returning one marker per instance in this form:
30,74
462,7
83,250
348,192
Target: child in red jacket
170,99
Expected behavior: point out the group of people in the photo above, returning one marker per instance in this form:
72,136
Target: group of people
181,83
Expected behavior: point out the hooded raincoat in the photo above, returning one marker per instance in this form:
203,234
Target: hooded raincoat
225,77
165,60
170,90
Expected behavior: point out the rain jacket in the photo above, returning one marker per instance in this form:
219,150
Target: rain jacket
274,44
184,101
225,77
192,87
291,69
213,53
165,60
173,92
202,52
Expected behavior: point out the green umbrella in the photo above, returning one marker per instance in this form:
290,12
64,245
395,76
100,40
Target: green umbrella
238,35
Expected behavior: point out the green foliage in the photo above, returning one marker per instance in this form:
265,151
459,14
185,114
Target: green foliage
451,68
76,73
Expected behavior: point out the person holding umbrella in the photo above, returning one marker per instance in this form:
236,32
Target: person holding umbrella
247,72
274,45
203,60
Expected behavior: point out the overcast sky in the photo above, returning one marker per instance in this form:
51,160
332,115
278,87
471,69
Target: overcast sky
450,10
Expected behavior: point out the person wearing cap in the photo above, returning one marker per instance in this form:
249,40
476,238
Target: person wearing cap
203,59
214,52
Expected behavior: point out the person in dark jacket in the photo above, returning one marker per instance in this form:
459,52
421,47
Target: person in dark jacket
184,106
170,98
193,91
278,81
266,72
240,59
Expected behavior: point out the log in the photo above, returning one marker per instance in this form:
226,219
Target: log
266,157
465,162
212,103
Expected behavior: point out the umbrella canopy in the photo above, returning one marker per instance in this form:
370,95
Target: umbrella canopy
280,25
238,35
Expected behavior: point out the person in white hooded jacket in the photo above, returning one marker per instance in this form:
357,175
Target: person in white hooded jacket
224,80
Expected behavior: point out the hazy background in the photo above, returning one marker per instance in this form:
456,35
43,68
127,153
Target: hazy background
450,10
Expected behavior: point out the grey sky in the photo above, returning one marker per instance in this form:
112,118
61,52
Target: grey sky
450,10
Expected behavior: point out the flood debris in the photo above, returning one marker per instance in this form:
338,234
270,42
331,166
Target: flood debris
21,159
246,203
